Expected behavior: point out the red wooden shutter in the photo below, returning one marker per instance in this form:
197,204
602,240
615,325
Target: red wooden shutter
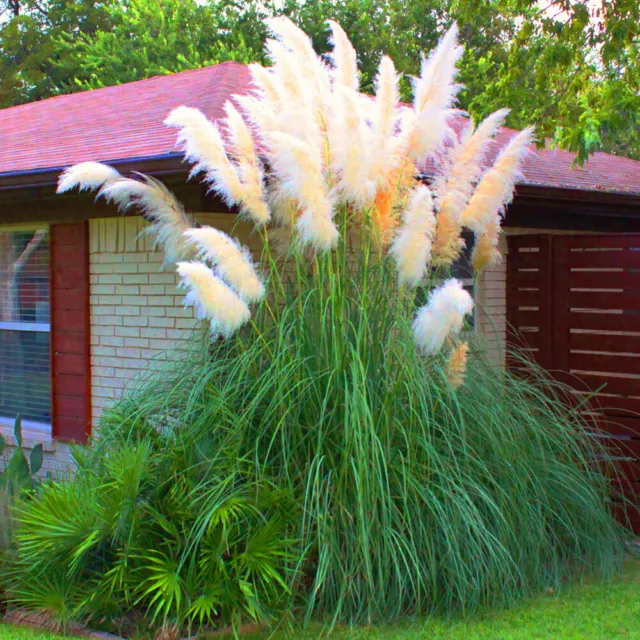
70,331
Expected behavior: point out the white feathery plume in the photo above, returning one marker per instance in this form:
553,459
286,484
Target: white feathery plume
442,316
425,132
287,72
344,58
465,166
411,248
86,176
266,87
386,119
350,140
203,145
231,261
495,190
299,172
212,299
301,110
249,166
299,43
167,216
437,74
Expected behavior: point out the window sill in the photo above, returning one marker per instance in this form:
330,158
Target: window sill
30,438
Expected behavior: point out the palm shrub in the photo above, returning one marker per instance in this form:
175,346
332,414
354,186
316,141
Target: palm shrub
417,476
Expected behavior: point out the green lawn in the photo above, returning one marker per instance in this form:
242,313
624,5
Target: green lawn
585,612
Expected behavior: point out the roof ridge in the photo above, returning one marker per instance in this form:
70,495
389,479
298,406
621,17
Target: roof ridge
227,64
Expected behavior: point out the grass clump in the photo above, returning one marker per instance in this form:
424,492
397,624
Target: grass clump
336,455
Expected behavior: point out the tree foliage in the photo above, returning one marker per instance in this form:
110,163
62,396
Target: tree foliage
569,66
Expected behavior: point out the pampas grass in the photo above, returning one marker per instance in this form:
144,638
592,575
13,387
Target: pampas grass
168,218
411,248
442,317
212,299
87,176
495,190
417,476
232,263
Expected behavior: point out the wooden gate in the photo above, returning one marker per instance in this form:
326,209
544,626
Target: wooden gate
573,303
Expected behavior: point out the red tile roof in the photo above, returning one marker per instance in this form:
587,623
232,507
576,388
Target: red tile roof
125,123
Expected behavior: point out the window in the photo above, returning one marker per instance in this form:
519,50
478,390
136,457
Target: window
25,376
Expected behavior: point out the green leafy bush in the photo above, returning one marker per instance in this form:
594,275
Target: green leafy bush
16,478
154,525
18,473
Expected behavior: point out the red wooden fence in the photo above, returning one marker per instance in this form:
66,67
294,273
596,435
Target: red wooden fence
573,303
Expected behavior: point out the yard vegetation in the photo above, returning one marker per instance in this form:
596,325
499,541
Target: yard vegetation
339,453
598,611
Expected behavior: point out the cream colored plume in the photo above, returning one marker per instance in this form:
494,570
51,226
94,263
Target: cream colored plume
457,365
436,83
344,58
299,174
212,299
425,130
86,176
299,43
495,190
411,248
463,168
485,251
386,117
167,216
248,165
442,317
203,145
351,152
231,261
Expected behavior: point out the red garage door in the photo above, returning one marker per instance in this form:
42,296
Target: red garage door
573,302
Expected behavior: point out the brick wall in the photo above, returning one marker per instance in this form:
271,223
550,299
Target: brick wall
137,317
137,314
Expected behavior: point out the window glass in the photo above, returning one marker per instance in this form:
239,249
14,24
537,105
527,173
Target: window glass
25,376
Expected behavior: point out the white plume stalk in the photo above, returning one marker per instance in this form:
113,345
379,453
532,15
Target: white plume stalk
203,146
465,166
87,176
248,165
386,116
426,129
442,317
212,298
495,190
299,173
436,83
344,58
231,261
299,43
350,142
411,248
167,216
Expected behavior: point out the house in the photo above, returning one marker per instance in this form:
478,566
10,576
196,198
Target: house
85,306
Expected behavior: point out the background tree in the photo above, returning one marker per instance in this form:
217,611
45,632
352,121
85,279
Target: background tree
569,66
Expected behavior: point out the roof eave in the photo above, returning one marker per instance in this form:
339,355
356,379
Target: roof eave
47,177
172,163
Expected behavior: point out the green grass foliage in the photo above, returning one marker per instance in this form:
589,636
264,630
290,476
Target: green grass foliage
316,463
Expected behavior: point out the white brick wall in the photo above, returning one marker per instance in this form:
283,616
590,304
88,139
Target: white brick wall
57,455
137,317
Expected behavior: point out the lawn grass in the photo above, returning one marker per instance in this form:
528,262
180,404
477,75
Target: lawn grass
591,611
